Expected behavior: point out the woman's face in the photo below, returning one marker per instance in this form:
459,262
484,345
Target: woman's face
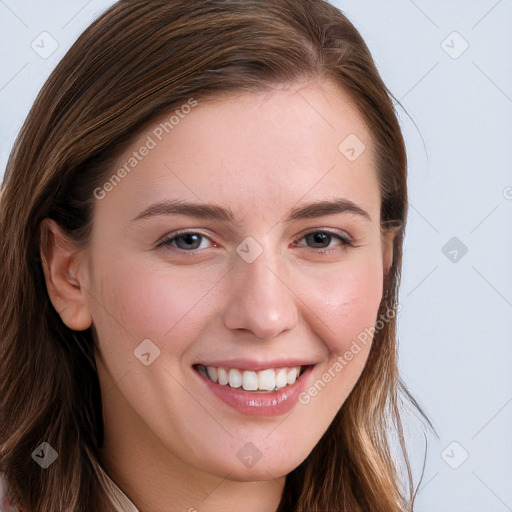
242,244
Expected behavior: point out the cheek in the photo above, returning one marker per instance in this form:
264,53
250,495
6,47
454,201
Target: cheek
346,310
346,301
136,300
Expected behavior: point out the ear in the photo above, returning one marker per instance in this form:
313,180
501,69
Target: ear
63,267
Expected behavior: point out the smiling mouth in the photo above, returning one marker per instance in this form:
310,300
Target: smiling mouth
263,381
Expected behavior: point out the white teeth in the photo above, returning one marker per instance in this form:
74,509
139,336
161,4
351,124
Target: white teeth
222,376
281,378
267,380
264,380
235,378
212,373
250,382
292,375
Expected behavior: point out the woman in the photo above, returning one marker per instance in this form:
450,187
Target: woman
202,223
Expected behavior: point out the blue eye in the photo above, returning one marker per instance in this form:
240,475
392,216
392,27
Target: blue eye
324,240
186,241
319,240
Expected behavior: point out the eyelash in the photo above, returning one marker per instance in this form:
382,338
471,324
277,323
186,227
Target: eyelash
166,241
344,239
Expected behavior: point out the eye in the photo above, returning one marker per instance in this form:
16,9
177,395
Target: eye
323,240
189,241
318,240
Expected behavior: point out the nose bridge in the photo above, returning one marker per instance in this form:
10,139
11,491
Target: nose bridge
259,301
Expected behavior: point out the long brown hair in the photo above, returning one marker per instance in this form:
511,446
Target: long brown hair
139,59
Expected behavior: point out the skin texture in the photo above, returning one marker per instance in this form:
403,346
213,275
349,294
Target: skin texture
169,442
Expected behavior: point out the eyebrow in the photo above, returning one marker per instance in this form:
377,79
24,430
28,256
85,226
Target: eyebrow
222,214
200,210
321,208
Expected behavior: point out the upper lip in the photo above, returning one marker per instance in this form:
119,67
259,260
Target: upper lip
247,364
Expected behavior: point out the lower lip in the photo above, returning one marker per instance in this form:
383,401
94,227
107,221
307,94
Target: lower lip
260,404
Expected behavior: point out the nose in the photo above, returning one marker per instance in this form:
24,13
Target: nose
260,300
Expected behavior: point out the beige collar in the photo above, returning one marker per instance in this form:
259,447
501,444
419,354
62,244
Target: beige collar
119,499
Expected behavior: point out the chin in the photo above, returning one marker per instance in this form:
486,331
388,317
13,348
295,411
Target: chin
267,467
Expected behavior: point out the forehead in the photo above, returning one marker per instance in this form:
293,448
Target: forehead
253,152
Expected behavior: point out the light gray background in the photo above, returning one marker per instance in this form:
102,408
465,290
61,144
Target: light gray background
455,329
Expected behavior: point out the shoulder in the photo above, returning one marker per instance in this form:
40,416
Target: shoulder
6,498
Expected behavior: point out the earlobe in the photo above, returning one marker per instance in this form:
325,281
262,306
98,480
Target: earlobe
61,260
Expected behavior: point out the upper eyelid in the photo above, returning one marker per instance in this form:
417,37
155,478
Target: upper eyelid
200,231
